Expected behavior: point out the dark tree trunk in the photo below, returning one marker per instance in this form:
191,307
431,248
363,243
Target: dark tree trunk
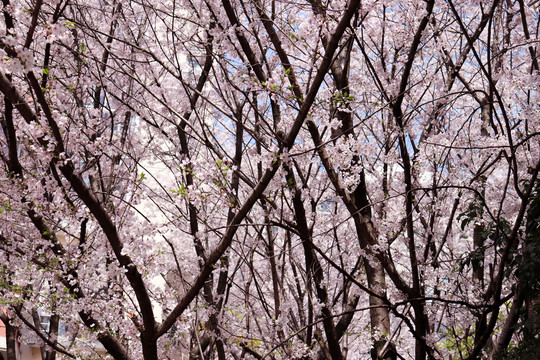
11,337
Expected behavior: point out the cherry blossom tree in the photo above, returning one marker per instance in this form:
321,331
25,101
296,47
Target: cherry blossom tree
271,179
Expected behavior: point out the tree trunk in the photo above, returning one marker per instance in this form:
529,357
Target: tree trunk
11,337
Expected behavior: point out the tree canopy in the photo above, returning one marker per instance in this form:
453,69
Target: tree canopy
268,179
